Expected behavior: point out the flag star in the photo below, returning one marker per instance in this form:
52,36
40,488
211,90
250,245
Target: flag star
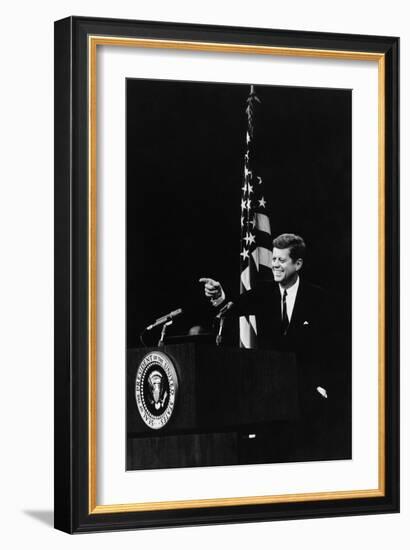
246,238
259,180
248,137
242,218
262,202
243,204
251,238
253,222
246,171
244,187
248,204
250,188
245,253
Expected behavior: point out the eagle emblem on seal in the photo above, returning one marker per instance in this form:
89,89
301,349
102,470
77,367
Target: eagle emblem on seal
158,392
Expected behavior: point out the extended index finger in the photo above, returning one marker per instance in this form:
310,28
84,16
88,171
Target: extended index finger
206,280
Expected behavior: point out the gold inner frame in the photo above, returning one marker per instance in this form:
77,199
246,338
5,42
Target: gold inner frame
93,42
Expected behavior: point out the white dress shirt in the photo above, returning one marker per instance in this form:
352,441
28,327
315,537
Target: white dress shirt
290,298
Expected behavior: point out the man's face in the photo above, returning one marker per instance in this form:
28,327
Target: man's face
284,268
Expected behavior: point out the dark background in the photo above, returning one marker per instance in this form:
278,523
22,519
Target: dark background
185,160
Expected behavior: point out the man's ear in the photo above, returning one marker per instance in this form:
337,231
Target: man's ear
299,263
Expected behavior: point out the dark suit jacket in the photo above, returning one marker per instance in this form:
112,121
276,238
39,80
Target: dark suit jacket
323,359
310,334
310,323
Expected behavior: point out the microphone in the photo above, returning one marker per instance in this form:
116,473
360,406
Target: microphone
165,318
223,311
221,318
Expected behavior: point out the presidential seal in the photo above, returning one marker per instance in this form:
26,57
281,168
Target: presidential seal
156,387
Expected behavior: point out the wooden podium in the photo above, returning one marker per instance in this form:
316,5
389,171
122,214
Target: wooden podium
231,406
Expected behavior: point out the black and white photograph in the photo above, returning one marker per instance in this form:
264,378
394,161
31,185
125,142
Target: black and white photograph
238,274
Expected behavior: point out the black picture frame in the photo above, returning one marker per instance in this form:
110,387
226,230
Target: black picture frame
75,507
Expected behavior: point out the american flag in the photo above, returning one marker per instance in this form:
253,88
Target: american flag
256,241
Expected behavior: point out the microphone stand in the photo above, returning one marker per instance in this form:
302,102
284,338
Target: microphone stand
221,320
163,331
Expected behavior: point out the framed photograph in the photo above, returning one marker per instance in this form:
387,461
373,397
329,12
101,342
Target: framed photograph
226,274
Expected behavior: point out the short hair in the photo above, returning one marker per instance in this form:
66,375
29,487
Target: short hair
296,245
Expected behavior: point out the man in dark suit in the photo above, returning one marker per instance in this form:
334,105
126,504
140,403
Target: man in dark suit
295,316
292,315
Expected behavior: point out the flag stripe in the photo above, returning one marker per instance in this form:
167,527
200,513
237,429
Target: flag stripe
262,256
262,222
263,239
248,334
245,278
252,320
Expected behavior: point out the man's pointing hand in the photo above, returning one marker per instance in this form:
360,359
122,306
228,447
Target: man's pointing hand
213,290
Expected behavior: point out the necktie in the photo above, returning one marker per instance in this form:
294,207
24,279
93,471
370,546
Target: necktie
285,318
